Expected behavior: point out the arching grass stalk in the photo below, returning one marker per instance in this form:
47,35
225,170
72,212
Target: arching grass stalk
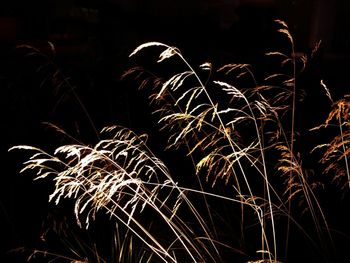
111,176
340,125
174,83
338,149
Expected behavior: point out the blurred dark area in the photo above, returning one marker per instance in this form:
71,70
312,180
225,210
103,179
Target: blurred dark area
61,62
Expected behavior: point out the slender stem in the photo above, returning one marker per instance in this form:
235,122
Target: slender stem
291,147
344,151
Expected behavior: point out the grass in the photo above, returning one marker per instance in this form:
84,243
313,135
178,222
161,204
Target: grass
246,194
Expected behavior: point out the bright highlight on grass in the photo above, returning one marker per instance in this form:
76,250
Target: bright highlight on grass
238,139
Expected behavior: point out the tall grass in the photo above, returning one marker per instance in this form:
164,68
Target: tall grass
240,141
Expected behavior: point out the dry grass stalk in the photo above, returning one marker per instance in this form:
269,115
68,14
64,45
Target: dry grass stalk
232,134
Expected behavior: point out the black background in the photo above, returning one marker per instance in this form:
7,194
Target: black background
92,41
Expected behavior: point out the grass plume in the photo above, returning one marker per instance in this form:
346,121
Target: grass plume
241,143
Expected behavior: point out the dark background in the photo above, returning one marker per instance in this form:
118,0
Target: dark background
91,41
